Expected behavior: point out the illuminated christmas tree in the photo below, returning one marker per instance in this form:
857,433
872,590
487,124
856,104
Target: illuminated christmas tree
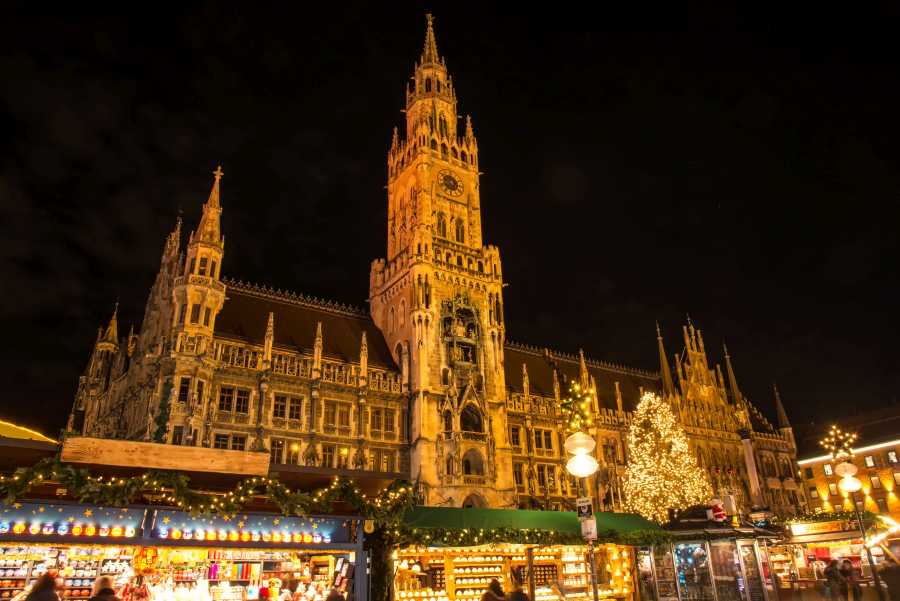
662,472
579,407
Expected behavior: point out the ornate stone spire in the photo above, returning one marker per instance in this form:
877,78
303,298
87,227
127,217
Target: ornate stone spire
173,242
582,370
270,338
110,338
526,386
363,360
430,52
732,380
317,351
668,384
209,228
556,385
779,408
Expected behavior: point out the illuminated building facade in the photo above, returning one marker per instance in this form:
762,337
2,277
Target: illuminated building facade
425,386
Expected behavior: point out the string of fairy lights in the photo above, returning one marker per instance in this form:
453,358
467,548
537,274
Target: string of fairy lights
662,471
839,443
579,406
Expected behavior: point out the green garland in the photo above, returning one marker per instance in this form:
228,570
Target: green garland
173,488
465,537
831,516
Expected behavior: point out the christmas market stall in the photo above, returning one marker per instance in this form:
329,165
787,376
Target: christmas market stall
453,554
171,555
800,559
707,561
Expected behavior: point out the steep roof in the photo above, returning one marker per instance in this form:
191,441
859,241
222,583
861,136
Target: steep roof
541,362
11,430
246,313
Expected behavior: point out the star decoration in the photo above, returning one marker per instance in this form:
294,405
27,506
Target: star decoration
70,520
240,524
166,520
276,521
41,509
315,526
88,513
17,505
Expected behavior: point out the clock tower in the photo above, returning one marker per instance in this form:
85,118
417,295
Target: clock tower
437,298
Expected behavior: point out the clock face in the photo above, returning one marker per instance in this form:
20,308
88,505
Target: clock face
450,183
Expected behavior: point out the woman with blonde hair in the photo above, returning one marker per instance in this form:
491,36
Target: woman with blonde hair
103,590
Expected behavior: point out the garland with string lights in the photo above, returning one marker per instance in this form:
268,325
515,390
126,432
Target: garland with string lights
578,406
831,516
174,489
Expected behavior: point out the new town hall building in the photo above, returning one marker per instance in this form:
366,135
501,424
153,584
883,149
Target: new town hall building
426,386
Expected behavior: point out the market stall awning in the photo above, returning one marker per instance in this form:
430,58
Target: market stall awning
562,524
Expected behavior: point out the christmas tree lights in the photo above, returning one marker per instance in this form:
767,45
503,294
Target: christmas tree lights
579,407
662,471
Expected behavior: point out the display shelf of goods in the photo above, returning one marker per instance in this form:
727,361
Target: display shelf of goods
427,594
438,578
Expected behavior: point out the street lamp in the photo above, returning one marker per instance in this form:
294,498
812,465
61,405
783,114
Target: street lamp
583,465
851,484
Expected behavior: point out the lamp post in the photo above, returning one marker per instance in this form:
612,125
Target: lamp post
582,465
851,484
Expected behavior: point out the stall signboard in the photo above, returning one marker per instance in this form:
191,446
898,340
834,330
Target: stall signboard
250,528
805,528
589,528
585,507
70,522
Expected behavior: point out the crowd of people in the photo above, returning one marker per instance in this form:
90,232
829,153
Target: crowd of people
842,580
495,592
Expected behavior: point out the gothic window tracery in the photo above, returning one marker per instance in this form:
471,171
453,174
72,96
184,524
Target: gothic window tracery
442,225
460,231
470,419
473,463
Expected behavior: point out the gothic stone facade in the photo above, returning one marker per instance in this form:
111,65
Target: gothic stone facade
426,386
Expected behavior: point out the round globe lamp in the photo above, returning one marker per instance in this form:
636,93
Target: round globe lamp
582,465
850,484
579,443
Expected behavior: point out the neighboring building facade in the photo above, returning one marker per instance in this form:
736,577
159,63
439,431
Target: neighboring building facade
425,387
877,457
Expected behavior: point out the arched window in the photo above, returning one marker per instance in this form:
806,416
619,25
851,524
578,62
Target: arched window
448,421
391,320
448,258
444,151
459,260
445,377
402,312
450,464
437,84
473,464
433,144
480,267
470,419
464,157
454,153
470,264
474,501
441,225
427,84
460,231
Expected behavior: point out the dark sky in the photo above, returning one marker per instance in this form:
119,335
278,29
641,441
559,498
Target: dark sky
639,165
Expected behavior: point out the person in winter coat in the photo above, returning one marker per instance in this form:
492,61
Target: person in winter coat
103,590
850,576
890,575
44,589
835,582
334,595
494,592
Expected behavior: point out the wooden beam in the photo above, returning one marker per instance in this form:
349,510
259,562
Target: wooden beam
151,455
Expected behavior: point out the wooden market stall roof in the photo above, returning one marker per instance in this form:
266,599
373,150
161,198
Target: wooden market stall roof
564,522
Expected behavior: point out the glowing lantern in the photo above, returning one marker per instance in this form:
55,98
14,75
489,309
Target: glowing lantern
187,535
307,538
48,529
77,530
4,527
298,537
233,536
104,531
175,534
116,531
199,534
222,535
255,537
276,537
62,530
90,530
245,536
317,538
210,535
163,533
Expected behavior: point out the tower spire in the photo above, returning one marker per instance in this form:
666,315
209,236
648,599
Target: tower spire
526,385
732,380
111,334
270,339
779,408
209,228
430,52
582,369
668,384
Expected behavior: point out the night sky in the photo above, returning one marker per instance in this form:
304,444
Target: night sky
740,167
